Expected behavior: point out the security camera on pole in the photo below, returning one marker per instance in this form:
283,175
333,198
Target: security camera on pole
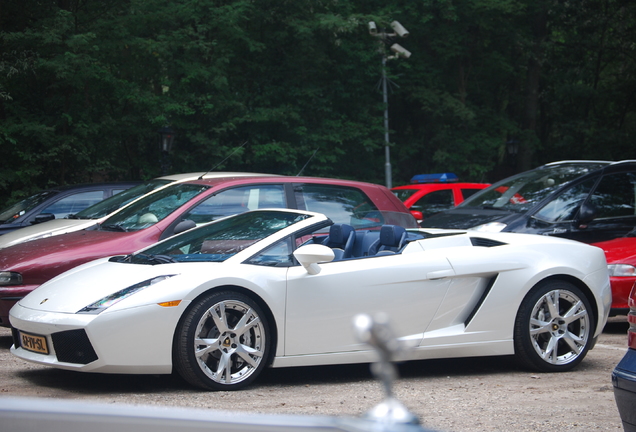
386,40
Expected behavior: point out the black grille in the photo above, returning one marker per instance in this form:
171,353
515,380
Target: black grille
16,337
480,241
73,346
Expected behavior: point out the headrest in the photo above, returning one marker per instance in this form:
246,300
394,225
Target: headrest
339,233
390,235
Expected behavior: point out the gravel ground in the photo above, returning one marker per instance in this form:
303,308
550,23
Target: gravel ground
483,394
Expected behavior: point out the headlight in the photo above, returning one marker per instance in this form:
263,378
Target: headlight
101,305
489,227
624,270
10,278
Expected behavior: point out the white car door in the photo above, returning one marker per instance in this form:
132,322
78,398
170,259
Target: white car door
320,307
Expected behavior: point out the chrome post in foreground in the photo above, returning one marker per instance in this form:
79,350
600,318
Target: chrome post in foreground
376,332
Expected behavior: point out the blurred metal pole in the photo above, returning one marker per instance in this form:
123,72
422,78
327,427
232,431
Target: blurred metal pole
387,149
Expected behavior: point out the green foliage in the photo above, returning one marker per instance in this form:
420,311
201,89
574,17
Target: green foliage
85,86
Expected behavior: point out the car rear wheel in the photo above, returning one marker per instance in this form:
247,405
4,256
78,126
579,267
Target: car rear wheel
222,342
554,327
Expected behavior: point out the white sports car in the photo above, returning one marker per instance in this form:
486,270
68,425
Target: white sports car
280,288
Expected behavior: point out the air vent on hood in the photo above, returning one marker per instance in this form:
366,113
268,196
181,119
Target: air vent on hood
480,241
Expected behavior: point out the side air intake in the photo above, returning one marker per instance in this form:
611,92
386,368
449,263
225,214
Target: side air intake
480,241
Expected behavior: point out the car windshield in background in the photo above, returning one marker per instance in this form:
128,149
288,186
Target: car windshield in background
13,212
151,209
523,191
218,241
109,205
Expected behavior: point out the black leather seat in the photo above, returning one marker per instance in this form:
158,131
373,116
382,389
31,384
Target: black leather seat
341,239
392,239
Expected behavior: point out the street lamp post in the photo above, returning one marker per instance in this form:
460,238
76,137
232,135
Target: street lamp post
166,139
386,39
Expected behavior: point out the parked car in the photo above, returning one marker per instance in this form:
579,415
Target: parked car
624,375
175,208
57,203
279,287
588,201
103,209
620,254
432,193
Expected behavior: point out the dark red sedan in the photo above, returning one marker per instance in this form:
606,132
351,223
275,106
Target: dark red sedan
177,207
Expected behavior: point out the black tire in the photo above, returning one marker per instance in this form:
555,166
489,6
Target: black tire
222,342
554,327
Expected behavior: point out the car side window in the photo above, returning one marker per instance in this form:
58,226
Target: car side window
565,206
434,202
469,192
615,196
238,200
74,203
339,203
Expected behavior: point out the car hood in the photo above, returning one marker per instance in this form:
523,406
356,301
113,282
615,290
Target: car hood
51,256
43,230
464,218
621,250
88,283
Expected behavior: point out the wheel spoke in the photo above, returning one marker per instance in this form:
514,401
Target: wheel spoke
248,353
552,301
575,313
204,346
538,326
220,317
224,368
550,352
243,325
574,342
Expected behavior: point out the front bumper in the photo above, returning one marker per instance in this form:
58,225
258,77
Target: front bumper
624,380
136,340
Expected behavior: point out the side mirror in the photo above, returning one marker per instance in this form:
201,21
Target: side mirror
587,213
184,225
310,255
419,217
43,217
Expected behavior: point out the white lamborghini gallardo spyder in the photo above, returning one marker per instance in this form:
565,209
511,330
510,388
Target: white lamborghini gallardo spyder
279,288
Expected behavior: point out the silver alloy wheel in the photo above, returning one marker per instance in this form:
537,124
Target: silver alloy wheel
559,327
229,342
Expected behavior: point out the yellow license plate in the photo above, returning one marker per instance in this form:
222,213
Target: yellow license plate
34,343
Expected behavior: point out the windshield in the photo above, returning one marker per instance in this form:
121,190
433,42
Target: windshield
150,209
218,241
109,205
13,212
523,191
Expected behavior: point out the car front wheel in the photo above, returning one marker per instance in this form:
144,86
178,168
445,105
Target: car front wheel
554,327
222,342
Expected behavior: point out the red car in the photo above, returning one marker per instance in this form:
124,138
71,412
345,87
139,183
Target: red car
432,193
620,254
177,207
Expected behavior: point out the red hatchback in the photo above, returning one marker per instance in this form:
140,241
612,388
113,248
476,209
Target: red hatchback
620,254
432,193
177,207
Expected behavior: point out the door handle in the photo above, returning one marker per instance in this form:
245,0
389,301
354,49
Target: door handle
440,274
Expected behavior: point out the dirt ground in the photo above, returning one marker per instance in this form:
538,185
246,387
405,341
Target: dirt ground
483,394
